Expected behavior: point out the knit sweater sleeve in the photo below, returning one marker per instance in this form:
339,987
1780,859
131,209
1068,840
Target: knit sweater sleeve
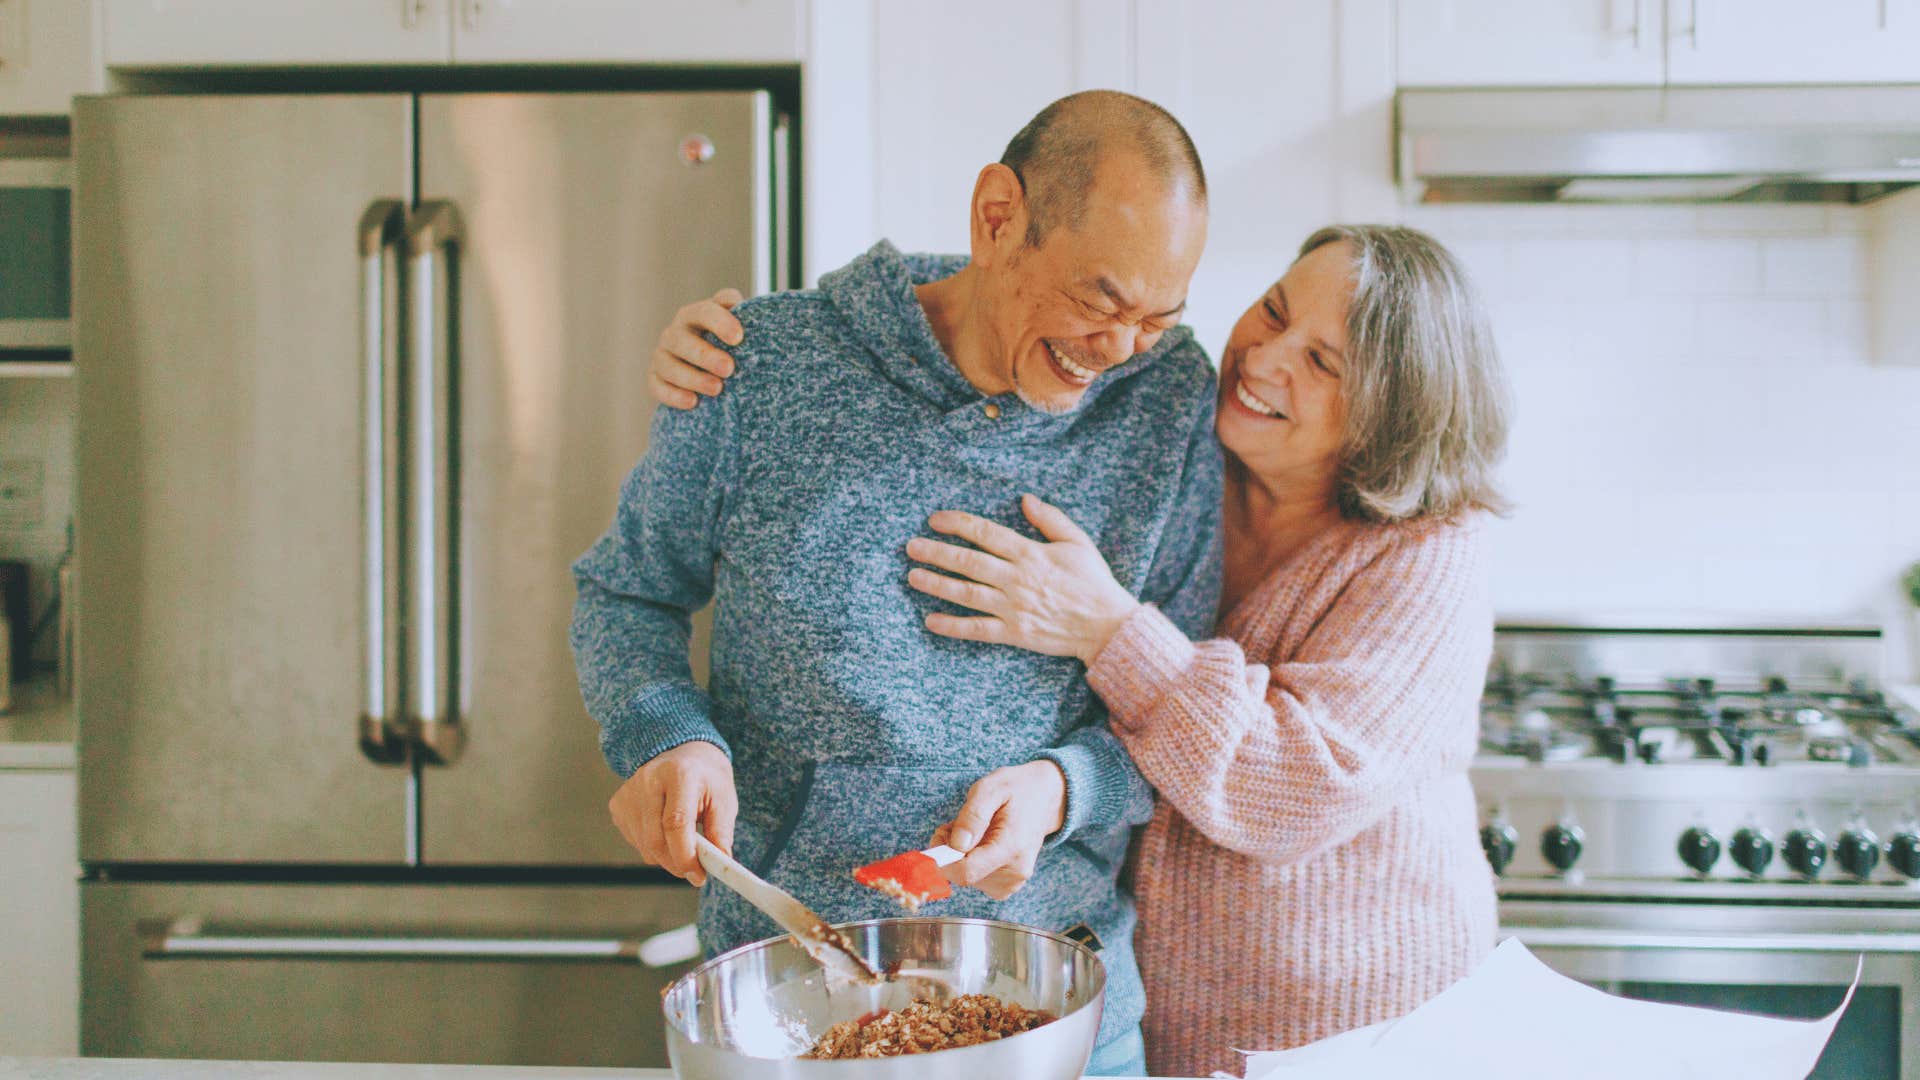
1285,760
638,587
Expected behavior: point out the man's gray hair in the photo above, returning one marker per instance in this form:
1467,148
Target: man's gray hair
1056,154
1427,400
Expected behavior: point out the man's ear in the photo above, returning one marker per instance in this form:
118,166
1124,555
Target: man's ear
999,214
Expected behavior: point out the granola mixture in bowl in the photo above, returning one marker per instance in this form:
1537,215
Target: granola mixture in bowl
926,1026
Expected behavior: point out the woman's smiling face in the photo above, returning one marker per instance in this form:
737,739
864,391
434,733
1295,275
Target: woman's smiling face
1282,408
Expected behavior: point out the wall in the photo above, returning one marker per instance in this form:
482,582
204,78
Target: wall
1700,426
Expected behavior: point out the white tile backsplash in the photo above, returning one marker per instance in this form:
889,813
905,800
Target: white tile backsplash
1568,267
1813,266
1764,331
1669,265
1700,427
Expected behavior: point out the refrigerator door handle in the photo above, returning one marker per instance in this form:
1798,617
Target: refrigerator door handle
184,940
382,737
434,229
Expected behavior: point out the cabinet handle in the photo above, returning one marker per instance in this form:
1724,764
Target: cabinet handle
410,13
1637,31
433,720
470,12
1693,24
381,739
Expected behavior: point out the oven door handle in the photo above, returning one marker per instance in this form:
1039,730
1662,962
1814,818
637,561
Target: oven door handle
1565,937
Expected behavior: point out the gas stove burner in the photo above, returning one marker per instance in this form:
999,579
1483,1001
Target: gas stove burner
1702,719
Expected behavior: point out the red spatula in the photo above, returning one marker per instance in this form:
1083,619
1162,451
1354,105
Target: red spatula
911,877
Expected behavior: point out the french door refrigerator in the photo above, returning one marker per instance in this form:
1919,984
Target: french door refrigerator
358,376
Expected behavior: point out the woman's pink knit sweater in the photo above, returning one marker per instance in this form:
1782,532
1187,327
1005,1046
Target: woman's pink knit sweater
1314,862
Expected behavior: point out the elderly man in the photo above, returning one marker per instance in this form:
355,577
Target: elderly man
836,728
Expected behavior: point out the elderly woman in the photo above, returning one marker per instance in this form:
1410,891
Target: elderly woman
1313,863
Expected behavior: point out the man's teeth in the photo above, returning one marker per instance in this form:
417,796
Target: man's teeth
1246,398
1076,370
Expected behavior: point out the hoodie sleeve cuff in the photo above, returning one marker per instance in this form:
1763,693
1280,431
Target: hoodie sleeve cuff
1139,664
661,719
1098,774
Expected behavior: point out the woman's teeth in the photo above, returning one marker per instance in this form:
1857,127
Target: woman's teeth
1078,371
1246,398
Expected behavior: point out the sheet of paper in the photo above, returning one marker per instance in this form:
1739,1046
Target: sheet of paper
1516,1017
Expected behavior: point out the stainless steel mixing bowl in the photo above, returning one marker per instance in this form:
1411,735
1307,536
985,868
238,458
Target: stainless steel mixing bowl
747,1014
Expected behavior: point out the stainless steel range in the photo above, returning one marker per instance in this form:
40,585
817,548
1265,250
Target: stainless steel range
1718,816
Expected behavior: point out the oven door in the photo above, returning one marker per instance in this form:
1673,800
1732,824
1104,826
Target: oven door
1764,958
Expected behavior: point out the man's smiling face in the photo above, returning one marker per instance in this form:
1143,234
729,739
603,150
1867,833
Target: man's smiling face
1096,292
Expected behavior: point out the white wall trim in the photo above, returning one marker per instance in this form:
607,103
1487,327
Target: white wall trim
839,178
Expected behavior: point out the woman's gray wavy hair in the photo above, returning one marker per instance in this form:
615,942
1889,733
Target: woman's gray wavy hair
1427,400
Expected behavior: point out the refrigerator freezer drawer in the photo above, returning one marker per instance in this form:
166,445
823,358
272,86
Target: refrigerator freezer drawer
445,974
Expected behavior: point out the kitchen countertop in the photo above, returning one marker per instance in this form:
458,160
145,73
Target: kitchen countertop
37,733
158,1069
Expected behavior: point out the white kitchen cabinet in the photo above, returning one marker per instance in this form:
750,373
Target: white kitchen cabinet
1530,42
628,31
1792,41
47,55
265,33
39,914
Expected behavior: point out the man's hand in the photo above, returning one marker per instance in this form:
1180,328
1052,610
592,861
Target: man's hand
1008,815
660,805
686,366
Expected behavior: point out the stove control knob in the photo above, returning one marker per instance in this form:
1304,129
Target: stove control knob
1752,849
1699,849
1806,851
1858,851
1561,845
1903,853
1498,839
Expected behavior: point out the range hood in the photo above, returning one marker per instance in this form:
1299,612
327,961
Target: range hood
1847,144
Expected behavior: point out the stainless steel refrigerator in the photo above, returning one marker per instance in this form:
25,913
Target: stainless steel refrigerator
358,376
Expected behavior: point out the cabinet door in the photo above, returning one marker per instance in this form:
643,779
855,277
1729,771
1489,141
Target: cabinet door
628,31
46,56
1529,42
171,33
1792,41
40,910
